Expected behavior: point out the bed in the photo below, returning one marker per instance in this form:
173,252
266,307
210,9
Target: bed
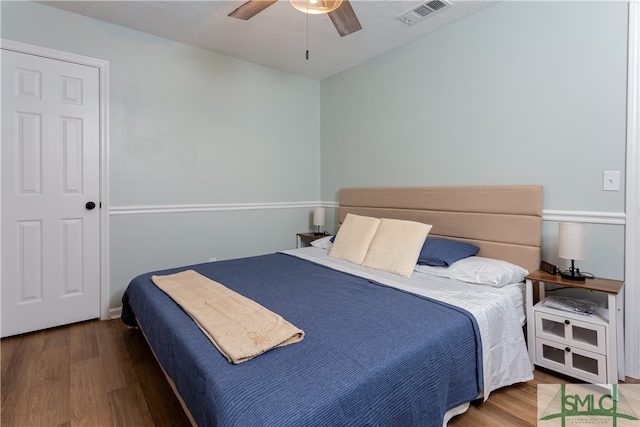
379,348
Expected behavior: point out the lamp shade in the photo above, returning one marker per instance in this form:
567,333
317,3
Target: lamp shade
318,216
572,240
316,6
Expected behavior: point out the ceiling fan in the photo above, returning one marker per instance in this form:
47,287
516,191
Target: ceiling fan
340,12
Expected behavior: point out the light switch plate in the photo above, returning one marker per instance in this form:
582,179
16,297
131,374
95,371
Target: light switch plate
611,181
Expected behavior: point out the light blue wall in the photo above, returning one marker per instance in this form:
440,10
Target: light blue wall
188,126
519,93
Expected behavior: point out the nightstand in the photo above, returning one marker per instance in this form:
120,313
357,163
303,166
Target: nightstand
590,348
307,238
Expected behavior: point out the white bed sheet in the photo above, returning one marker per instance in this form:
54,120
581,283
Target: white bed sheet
499,313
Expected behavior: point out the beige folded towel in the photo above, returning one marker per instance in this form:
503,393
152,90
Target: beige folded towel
238,326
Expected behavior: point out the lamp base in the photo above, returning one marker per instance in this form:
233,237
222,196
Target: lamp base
573,275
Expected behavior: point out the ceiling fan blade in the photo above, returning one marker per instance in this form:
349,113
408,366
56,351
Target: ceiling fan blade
251,8
345,19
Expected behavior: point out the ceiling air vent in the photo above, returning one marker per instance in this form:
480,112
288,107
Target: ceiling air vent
422,11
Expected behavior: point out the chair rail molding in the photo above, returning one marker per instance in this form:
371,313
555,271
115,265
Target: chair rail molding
211,207
610,218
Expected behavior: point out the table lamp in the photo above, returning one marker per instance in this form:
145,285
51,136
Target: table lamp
318,219
572,244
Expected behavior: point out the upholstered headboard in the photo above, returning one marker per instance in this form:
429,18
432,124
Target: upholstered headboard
504,221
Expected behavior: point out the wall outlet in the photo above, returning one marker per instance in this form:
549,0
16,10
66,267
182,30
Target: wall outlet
611,181
213,259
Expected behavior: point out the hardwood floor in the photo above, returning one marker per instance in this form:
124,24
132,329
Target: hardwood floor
103,374
87,374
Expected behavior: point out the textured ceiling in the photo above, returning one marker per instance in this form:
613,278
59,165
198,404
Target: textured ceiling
276,37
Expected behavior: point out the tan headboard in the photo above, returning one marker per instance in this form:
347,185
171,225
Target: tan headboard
504,221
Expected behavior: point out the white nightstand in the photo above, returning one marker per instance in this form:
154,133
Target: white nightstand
590,348
305,239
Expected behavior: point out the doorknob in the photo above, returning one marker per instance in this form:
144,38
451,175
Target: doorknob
90,205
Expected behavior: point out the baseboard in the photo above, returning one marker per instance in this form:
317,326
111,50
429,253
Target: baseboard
115,313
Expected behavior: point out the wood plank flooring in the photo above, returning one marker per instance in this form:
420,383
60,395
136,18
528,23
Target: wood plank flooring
100,374
87,374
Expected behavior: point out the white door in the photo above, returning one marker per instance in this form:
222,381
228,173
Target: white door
50,171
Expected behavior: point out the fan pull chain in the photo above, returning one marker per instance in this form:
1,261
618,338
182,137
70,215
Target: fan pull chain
307,31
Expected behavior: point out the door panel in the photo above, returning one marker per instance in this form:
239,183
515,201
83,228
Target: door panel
29,261
50,170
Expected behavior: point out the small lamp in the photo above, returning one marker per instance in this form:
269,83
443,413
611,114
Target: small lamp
572,244
316,7
318,219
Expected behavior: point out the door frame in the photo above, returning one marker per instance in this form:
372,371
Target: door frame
632,199
103,73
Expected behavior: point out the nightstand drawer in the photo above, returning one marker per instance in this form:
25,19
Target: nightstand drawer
569,331
573,361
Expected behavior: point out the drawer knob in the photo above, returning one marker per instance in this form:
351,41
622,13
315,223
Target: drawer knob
567,322
567,349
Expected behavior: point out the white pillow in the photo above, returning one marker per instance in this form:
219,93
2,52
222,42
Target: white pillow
396,246
352,241
480,270
323,243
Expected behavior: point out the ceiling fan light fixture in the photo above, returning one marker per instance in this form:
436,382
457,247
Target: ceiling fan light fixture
316,6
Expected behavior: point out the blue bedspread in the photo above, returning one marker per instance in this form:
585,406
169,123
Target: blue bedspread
372,355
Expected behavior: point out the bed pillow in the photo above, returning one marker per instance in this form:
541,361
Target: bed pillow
352,241
441,252
323,243
479,270
396,246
